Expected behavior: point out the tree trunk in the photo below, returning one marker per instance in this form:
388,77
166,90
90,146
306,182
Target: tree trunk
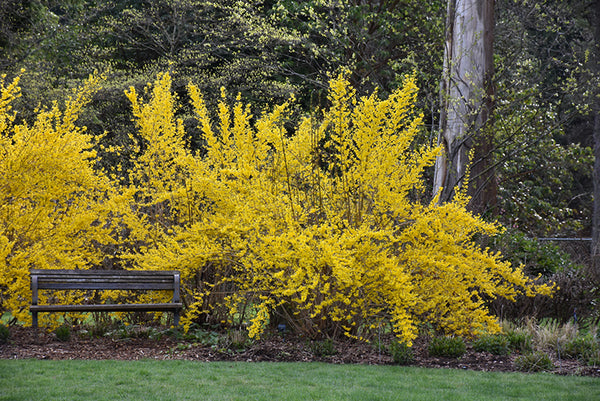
467,101
596,213
595,251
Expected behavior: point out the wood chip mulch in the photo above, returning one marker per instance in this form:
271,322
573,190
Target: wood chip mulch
26,343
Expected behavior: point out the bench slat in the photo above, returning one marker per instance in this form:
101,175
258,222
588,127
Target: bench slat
107,307
112,273
104,286
84,277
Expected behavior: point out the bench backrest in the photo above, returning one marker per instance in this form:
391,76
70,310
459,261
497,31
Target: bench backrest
105,280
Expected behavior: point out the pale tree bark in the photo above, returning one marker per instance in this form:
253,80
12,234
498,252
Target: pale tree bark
467,100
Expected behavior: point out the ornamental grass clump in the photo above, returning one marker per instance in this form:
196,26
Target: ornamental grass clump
551,335
536,361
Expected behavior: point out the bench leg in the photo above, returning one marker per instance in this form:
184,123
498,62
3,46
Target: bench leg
34,319
176,318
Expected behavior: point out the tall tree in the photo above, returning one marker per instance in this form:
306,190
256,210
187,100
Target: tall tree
466,92
596,110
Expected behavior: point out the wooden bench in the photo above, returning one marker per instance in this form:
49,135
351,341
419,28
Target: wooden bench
105,280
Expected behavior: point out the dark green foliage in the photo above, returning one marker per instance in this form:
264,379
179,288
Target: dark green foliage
538,257
207,338
378,41
4,334
537,361
542,121
449,347
323,348
63,333
402,354
496,344
135,331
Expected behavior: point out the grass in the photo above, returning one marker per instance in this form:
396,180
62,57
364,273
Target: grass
185,380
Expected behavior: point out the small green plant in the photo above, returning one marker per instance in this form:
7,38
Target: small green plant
450,347
402,354
207,338
100,325
519,340
593,359
323,348
239,339
496,344
584,347
536,361
63,333
124,331
4,334
580,346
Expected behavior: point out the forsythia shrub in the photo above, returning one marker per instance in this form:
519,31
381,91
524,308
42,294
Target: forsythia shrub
53,204
319,227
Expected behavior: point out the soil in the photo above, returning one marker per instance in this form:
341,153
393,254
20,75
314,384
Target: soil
26,343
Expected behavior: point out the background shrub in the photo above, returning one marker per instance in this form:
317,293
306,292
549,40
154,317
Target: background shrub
567,264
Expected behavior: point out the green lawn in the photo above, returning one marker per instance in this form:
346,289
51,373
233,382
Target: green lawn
185,380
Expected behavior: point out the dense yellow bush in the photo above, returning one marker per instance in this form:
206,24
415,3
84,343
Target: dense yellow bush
53,205
321,227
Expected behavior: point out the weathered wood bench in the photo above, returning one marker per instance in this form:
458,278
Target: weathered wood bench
105,280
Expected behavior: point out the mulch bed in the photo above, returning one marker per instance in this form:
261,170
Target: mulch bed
26,343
